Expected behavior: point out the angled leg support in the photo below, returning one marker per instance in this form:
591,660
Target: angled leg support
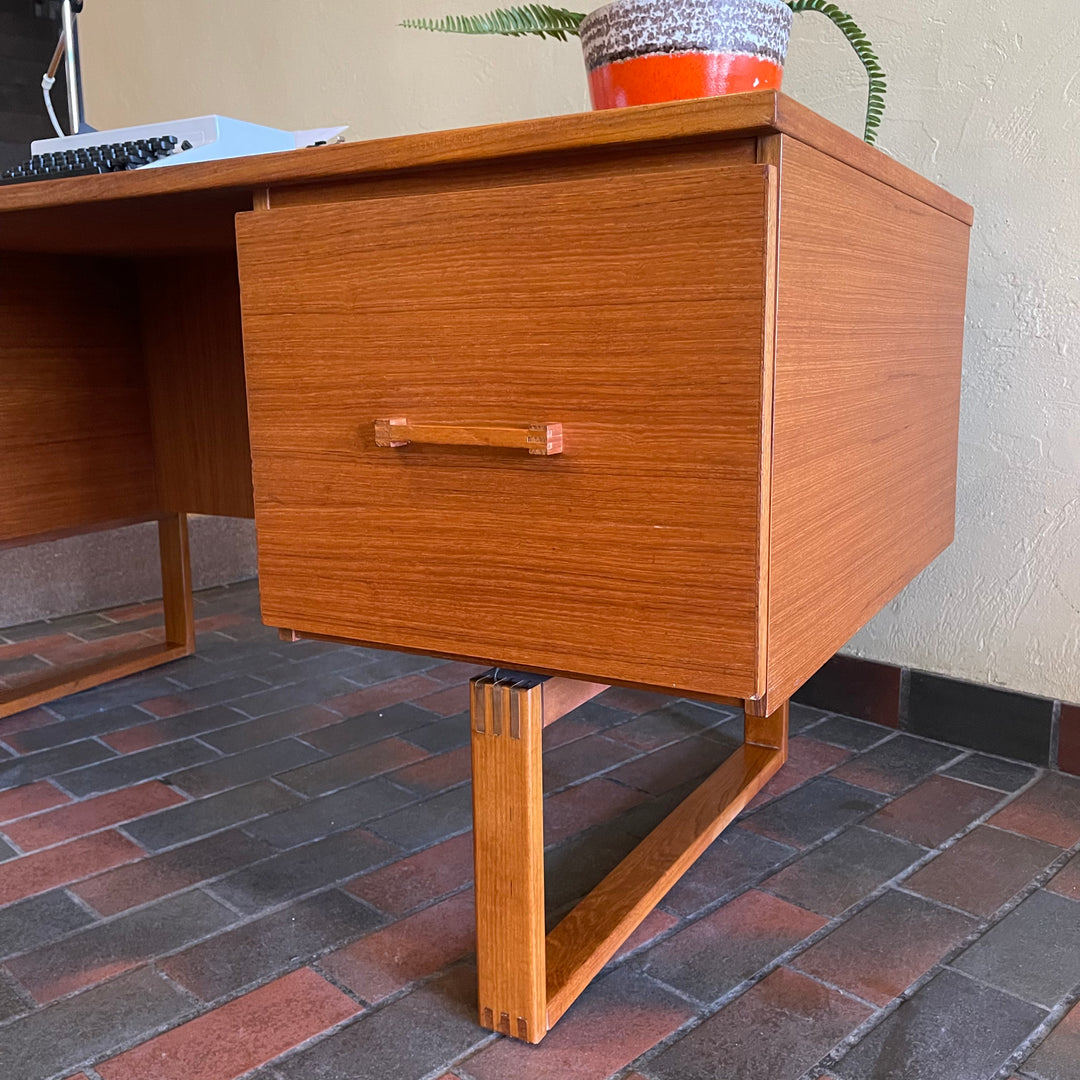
527,980
179,632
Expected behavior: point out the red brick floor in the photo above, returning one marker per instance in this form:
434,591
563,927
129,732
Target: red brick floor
256,862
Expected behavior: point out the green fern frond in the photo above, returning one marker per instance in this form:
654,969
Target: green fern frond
875,103
560,23
540,19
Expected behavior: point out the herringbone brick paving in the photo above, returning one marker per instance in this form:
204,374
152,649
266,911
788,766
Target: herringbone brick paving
256,862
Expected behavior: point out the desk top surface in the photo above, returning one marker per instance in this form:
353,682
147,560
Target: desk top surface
757,113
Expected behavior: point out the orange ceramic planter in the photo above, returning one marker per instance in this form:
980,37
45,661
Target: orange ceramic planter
639,52
645,80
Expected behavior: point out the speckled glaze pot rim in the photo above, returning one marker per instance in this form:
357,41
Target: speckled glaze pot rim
625,29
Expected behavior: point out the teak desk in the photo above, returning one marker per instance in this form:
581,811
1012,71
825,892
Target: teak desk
660,397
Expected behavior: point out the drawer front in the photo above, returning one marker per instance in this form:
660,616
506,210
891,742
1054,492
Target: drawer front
630,314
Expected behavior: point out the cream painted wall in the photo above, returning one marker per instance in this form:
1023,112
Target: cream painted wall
984,98
306,63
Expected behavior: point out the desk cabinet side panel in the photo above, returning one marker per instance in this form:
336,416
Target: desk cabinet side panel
75,445
867,383
629,313
195,371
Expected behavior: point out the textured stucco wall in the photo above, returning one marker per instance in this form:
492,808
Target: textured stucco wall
983,98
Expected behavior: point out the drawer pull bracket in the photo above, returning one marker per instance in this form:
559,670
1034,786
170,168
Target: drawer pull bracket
538,439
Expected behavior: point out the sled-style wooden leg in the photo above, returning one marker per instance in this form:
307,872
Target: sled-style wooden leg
528,981
179,632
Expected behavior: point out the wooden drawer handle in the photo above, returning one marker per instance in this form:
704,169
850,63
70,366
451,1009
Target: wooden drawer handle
540,439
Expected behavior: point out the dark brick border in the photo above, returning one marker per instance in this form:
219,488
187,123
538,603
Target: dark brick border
996,721
858,688
1069,739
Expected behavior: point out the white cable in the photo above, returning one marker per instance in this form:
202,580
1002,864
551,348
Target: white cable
46,86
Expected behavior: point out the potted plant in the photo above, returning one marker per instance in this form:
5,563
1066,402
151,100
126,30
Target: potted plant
638,52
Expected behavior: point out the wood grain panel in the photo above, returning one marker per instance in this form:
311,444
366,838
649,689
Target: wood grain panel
812,129
75,447
867,382
643,161
169,223
631,314
194,350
